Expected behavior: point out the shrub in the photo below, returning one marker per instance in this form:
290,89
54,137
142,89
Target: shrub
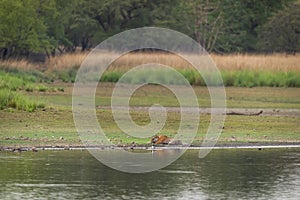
12,99
111,76
10,84
5,96
42,88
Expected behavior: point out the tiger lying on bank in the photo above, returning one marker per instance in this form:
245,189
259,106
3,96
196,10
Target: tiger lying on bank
163,139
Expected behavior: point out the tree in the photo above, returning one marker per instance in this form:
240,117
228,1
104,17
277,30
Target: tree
207,21
115,16
56,15
200,19
82,24
241,22
282,31
225,25
95,20
218,25
21,30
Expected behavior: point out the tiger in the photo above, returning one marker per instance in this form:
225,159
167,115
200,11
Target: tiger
160,139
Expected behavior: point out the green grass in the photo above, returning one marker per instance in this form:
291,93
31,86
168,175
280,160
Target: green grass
14,82
248,78
236,78
111,76
236,97
23,92
37,128
26,75
242,78
12,99
12,85
65,75
50,126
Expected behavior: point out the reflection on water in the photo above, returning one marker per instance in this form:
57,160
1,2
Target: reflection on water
226,174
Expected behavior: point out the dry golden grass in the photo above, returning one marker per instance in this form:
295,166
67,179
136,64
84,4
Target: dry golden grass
66,61
18,64
271,62
255,62
134,59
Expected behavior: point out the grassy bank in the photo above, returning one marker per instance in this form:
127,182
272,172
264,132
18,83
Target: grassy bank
236,97
25,87
54,125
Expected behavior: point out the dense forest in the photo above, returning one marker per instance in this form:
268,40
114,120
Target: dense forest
222,26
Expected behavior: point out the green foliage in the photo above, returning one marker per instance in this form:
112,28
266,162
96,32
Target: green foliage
42,88
15,79
247,78
66,75
56,15
241,22
111,76
27,75
5,97
223,25
11,83
193,77
243,78
18,101
14,82
282,32
218,25
22,29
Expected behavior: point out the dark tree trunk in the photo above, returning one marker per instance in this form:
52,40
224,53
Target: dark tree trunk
84,44
5,53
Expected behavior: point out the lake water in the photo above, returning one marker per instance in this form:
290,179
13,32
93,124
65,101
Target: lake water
223,174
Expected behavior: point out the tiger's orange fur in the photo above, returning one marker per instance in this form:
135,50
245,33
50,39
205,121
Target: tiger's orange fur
160,139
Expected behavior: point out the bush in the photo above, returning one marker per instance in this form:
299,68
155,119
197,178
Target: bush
42,88
66,75
10,84
111,76
12,99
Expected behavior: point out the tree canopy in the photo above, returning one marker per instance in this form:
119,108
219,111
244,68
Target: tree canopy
56,26
281,33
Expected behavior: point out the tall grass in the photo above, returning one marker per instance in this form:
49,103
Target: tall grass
244,78
232,62
269,62
17,80
242,70
66,61
249,78
12,99
11,83
65,67
22,64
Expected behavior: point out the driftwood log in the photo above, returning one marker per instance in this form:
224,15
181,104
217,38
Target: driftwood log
247,114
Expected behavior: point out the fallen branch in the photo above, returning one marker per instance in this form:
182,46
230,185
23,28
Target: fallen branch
246,114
